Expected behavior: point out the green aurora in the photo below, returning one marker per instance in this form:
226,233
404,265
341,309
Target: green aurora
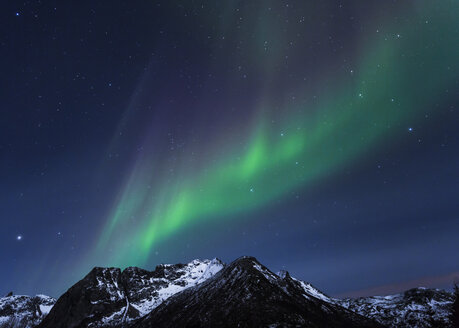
403,72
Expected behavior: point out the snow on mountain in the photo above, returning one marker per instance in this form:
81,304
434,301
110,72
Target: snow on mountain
109,297
415,308
308,289
247,294
146,290
20,311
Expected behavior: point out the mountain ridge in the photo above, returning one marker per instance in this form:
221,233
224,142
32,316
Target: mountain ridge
247,294
209,293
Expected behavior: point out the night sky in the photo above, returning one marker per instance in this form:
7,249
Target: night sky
319,136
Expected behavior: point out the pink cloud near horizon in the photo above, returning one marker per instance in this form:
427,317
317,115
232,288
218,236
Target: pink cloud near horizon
443,281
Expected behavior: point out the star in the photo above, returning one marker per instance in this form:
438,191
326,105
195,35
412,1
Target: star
410,129
19,237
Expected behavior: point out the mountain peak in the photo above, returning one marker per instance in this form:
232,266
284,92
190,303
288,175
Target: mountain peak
247,294
284,274
208,293
119,297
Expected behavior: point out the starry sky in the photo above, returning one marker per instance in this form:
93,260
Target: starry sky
318,136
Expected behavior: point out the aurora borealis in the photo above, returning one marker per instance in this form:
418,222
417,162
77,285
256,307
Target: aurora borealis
191,123
382,93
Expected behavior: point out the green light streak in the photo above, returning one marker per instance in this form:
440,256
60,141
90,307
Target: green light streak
399,80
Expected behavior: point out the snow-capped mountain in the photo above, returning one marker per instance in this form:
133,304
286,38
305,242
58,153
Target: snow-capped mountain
109,297
19,311
415,308
308,289
247,294
418,307
146,290
209,293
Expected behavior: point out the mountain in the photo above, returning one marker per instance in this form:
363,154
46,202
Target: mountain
19,311
109,297
454,318
247,294
209,293
418,307
415,308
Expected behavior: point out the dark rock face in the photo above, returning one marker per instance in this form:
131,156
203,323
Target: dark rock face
210,294
417,307
107,297
88,301
20,311
247,294
455,309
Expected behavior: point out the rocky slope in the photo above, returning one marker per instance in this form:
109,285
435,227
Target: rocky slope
415,308
107,297
211,294
418,307
247,294
19,311
454,317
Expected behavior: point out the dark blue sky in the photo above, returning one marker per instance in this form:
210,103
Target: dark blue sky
83,83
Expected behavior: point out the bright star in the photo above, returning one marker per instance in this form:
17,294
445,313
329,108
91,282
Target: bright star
19,237
410,129
17,14
251,189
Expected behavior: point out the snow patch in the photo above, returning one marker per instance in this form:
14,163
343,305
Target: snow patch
268,275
